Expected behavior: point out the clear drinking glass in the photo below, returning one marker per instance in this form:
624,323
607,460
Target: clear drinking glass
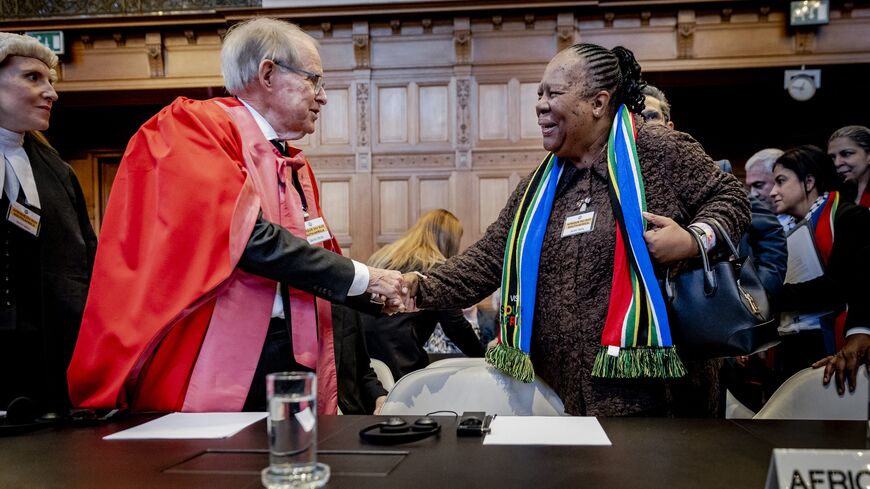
292,429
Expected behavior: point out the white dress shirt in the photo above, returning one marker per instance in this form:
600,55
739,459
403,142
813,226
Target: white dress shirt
361,271
16,175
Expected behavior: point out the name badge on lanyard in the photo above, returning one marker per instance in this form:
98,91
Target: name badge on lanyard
316,231
578,224
24,217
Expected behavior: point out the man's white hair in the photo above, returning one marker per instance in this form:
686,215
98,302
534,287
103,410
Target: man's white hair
250,42
765,158
18,45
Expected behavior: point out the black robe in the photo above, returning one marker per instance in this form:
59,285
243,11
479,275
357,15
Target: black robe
45,285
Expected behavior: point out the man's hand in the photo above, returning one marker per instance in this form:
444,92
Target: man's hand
379,403
387,286
846,362
667,241
412,282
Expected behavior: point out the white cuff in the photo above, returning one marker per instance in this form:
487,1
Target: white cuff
857,331
360,279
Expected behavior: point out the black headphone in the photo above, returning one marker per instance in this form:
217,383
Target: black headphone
397,430
24,415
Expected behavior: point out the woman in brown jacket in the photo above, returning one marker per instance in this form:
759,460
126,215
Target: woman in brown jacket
581,93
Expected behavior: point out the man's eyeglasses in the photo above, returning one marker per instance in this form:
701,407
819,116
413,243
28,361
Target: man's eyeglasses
652,115
314,78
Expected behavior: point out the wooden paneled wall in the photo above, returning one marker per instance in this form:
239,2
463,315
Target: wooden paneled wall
434,110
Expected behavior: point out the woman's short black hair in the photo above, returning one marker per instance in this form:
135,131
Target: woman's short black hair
614,70
809,160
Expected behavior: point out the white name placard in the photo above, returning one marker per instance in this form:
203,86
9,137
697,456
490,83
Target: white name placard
818,469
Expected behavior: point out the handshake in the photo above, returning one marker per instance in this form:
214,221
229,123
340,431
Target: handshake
395,290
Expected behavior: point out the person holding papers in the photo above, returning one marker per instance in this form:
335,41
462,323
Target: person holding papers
832,302
48,243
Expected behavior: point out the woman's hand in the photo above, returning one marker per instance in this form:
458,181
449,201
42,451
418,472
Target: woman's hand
667,241
846,362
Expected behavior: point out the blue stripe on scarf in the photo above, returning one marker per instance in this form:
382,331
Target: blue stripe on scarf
530,255
817,214
635,227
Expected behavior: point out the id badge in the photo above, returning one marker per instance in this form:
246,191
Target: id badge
578,224
316,231
24,217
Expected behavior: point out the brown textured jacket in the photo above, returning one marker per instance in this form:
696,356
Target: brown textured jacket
681,182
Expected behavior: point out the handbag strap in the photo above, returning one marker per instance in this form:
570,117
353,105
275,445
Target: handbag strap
710,283
725,235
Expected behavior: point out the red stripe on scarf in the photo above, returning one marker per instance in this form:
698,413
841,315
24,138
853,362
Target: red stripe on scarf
824,231
825,243
620,294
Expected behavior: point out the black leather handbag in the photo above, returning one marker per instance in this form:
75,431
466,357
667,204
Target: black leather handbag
720,308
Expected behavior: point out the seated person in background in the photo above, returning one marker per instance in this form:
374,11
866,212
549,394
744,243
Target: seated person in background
849,147
215,265
759,174
764,239
359,390
656,108
439,343
747,377
398,340
805,189
46,268
566,278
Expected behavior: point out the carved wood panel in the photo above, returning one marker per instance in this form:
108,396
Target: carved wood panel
492,113
335,118
393,199
393,114
433,114
335,199
439,111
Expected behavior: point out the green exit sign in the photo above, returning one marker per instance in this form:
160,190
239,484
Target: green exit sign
51,39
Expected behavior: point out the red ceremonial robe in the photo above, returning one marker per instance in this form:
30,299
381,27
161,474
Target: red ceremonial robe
170,323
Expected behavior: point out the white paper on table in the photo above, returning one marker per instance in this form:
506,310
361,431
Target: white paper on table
189,426
546,430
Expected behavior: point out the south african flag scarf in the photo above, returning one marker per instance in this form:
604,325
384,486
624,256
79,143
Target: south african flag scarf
636,340
822,221
519,279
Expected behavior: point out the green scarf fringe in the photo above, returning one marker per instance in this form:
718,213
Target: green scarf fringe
511,361
639,362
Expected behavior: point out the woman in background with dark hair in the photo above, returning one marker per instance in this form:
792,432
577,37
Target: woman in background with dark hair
568,298
806,189
849,147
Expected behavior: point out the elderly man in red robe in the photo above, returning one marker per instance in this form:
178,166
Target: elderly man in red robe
214,258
